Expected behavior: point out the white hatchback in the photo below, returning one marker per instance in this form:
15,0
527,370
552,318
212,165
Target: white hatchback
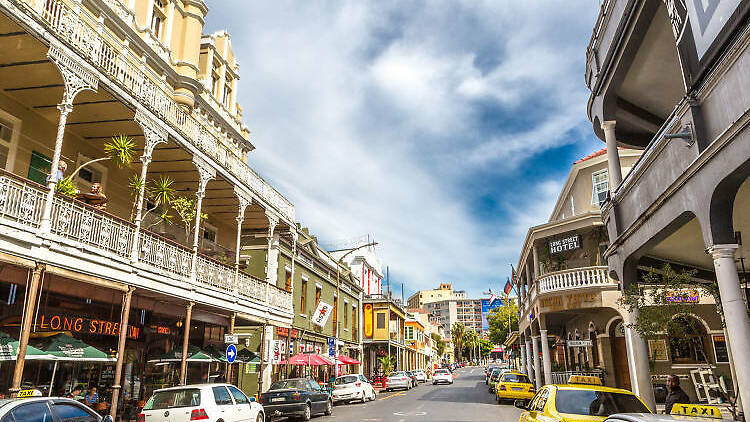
352,387
442,375
209,402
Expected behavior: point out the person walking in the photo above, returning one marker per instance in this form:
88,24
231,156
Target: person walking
676,394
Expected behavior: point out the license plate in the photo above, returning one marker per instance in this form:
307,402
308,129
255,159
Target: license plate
277,399
517,388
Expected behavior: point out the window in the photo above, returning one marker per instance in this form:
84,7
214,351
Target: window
600,182
354,318
346,315
208,232
288,278
312,385
33,412
409,333
157,18
92,173
71,412
215,79
227,99
380,321
39,167
597,403
318,291
221,396
688,346
239,396
303,297
8,135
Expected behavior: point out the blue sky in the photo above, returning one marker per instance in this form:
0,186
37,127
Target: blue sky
442,128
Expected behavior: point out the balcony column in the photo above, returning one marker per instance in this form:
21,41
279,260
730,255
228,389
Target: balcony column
735,316
185,342
537,363
124,317
638,356
272,264
613,157
206,173
77,79
154,135
535,256
523,357
547,361
244,201
28,318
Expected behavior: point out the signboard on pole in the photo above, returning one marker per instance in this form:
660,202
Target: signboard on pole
331,346
276,350
580,343
321,314
231,339
231,353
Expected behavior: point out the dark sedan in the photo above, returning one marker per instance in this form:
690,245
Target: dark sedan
296,397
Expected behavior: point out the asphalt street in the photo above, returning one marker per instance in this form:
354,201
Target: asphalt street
466,400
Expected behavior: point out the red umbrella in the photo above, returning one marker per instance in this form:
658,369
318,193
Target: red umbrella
307,359
346,360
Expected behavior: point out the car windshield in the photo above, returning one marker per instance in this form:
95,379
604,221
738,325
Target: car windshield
597,403
288,385
398,374
346,380
441,372
516,378
187,397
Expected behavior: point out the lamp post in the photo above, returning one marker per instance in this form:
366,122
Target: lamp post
338,295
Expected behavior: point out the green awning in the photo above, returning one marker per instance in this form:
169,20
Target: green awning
9,350
215,353
175,355
66,348
246,356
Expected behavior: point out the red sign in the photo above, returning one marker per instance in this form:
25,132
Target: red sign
286,332
85,325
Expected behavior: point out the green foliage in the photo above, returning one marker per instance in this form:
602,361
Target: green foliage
186,208
161,191
485,347
387,363
458,331
120,149
660,299
439,344
498,321
66,187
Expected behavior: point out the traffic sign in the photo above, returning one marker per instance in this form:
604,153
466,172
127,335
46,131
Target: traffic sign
231,339
231,353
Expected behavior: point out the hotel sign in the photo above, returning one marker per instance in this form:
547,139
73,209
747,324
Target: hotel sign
571,301
565,244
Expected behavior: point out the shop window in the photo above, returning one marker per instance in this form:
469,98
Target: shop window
600,182
39,167
688,346
303,297
288,278
8,139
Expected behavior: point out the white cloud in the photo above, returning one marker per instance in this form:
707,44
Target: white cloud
368,116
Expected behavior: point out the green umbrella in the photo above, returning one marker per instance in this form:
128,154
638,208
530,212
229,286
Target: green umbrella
66,348
246,356
215,353
194,355
9,350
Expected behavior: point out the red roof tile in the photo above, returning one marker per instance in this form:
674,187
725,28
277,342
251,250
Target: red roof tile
595,154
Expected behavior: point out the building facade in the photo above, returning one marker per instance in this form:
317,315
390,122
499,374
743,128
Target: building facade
382,334
102,265
670,78
366,265
444,292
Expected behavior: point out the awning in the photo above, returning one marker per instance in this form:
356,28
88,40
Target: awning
346,360
307,359
246,356
9,350
66,348
194,355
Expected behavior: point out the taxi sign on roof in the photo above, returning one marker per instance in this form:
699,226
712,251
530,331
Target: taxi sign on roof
584,379
696,410
29,393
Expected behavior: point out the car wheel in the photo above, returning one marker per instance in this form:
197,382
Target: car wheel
308,413
260,417
329,408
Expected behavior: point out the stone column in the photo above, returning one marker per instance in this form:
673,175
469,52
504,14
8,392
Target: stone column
28,318
154,134
735,315
272,264
124,317
638,358
613,157
529,363
546,358
77,79
185,342
537,363
523,358
206,173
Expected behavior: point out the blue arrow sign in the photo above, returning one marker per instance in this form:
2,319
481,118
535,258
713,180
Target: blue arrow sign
231,353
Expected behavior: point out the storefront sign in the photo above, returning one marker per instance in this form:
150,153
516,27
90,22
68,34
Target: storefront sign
276,349
75,324
571,301
321,314
286,332
684,296
368,320
580,343
565,244
160,329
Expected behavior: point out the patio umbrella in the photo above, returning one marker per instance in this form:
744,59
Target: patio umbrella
9,350
246,356
346,360
307,359
215,353
194,355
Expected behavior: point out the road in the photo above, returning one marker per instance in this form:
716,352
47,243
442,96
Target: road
465,401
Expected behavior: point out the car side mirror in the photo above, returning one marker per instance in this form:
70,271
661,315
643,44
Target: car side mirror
107,418
521,404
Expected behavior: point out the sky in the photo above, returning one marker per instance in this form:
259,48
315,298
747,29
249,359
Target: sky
443,129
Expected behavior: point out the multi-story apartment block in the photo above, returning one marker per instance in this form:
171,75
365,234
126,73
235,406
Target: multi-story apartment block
80,80
465,311
444,292
670,78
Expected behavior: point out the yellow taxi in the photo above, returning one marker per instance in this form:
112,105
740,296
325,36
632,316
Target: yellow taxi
582,399
514,386
680,413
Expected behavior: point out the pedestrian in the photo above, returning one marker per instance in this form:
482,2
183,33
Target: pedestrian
675,395
92,397
75,393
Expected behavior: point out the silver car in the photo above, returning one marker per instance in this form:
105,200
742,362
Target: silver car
398,379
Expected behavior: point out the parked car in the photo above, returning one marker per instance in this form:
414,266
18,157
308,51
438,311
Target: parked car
496,373
296,397
421,375
352,387
398,379
414,380
442,376
201,401
36,408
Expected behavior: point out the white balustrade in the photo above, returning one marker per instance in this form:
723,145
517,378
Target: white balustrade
21,202
106,53
87,226
250,286
279,298
576,278
164,255
209,273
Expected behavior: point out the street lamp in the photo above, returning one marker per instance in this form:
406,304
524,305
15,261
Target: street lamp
338,293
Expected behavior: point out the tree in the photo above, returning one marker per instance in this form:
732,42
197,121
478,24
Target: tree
471,339
186,209
458,331
439,344
498,320
387,364
485,347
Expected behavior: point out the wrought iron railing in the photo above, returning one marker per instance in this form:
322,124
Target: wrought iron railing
21,201
104,51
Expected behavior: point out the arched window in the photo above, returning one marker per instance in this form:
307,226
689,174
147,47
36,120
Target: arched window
688,343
